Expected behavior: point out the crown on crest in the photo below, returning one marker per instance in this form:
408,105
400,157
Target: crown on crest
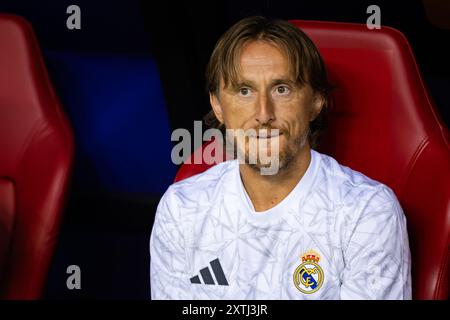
310,256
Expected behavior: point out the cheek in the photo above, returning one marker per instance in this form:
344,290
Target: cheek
232,120
237,117
294,119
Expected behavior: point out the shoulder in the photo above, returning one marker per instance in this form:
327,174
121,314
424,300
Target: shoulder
358,197
185,201
364,206
344,182
202,188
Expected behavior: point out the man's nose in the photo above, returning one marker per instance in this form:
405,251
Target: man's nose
265,110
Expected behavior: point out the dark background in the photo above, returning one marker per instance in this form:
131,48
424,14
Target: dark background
100,74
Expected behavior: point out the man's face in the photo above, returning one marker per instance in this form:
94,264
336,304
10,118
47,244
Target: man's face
267,97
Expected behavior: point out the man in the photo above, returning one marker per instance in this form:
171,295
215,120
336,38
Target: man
314,229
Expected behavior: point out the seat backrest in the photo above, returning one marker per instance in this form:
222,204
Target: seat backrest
36,152
384,124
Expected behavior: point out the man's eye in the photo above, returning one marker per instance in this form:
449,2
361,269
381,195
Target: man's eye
282,90
244,91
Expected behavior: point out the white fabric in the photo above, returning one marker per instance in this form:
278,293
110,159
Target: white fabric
354,223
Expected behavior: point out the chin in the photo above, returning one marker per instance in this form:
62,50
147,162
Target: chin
284,162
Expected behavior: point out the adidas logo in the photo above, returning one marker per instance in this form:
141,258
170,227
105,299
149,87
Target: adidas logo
207,277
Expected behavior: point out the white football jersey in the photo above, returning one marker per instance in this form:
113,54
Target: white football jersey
337,235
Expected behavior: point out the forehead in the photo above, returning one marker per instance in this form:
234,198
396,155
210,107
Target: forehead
261,55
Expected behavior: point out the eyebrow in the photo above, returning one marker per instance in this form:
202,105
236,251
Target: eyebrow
287,81
252,85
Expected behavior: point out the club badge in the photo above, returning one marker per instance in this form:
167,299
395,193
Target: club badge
308,277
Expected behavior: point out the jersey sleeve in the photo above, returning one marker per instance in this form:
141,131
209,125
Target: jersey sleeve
168,278
377,255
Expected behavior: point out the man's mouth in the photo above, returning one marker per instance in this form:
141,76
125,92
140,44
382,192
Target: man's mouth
268,135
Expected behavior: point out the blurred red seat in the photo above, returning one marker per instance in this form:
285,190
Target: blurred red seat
36,155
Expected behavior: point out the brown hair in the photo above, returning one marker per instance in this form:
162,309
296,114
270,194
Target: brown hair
305,60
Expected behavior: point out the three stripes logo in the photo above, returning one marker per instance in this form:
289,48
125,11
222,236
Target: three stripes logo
207,277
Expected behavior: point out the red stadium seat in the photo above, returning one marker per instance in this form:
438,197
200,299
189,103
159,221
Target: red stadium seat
36,155
384,124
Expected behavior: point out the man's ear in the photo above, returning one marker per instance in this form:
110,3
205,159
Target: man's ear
216,106
318,103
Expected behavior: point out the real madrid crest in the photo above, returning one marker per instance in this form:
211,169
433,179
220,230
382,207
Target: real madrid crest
308,277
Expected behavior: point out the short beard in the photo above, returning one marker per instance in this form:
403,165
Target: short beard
286,159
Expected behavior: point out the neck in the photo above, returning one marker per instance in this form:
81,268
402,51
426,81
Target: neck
266,191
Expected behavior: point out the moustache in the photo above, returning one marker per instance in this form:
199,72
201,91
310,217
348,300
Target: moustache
265,132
